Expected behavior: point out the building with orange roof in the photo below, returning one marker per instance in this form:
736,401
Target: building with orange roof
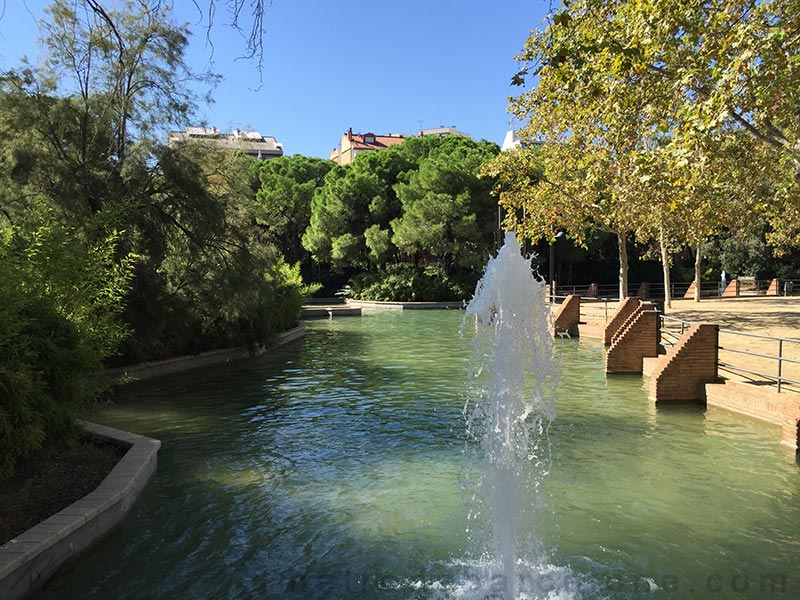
354,143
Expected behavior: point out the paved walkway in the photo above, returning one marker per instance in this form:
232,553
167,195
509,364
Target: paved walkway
774,316
769,316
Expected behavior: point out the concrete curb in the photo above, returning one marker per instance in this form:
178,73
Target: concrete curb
329,312
169,366
406,305
29,560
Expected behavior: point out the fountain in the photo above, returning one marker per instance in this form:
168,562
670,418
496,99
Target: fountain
331,470
509,413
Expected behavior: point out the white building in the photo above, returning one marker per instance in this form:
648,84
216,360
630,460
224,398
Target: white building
251,143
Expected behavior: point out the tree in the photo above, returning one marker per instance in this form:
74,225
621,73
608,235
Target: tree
413,221
638,78
80,137
678,78
125,65
251,29
340,213
287,185
448,214
354,199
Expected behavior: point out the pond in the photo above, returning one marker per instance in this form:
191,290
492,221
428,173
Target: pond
335,468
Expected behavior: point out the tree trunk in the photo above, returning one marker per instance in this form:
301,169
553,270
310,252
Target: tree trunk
623,266
665,263
698,261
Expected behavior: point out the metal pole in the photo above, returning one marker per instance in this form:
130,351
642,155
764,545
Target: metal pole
552,272
780,363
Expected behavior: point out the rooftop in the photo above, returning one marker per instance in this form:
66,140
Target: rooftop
251,143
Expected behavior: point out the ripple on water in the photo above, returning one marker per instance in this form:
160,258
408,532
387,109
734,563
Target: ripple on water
334,469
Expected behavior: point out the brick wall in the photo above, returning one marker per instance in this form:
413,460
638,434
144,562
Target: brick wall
732,289
568,316
774,288
625,310
682,373
637,339
790,431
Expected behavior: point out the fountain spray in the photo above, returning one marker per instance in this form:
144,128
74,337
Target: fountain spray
515,378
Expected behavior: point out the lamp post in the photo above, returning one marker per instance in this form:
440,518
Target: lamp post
553,267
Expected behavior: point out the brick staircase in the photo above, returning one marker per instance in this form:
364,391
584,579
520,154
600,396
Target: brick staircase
681,374
636,339
625,310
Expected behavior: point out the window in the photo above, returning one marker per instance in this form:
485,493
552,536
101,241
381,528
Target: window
369,139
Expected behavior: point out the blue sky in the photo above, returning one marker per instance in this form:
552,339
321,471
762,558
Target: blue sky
373,65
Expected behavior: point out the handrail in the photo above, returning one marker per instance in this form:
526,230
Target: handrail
760,335
779,378
708,288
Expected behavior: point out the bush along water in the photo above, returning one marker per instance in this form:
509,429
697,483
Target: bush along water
59,317
410,283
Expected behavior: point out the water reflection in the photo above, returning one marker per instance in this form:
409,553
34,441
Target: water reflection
332,470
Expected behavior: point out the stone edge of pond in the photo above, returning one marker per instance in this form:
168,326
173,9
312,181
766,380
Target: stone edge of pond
29,560
407,305
170,366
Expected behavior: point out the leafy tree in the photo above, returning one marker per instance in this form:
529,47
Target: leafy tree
126,65
418,202
354,199
684,80
219,278
78,138
287,185
340,213
448,213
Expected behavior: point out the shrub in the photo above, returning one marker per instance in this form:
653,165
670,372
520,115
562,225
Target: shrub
58,303
409,283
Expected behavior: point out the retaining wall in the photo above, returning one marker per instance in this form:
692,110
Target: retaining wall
407,305
681,374
567,317
29,560
179,364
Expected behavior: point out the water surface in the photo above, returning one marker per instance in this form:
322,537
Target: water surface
334,468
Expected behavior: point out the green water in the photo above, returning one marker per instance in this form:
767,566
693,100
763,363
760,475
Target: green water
334,468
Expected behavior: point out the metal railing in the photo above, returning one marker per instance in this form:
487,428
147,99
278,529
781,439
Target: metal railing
668,335
672,329
780,359
655,289
600,302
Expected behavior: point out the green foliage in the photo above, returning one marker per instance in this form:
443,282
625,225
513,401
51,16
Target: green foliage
283,206
111,241
379,243
418,202
351,200
59,304
448,212
409,283
215,278
668,119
